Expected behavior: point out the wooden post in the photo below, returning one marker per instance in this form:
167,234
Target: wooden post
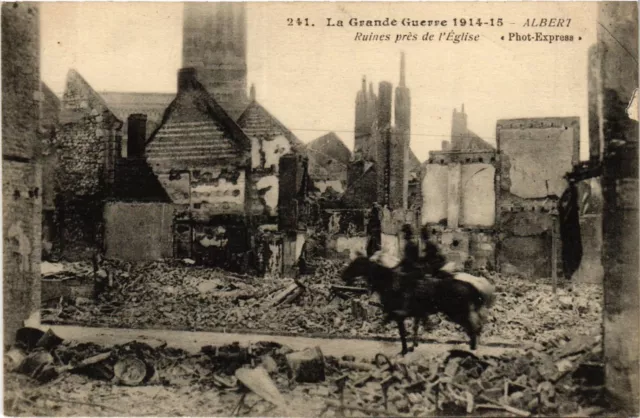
554,252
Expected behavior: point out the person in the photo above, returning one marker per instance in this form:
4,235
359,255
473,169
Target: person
374,230
433,260
410,269
411,252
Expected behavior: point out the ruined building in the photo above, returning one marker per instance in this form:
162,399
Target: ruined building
459,196
382,159
535,154
270,140
86,144
495,207
328,162
202,160
103,150
613,135
21,164
215,44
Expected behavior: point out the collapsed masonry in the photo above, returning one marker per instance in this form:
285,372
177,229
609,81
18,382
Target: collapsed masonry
491,207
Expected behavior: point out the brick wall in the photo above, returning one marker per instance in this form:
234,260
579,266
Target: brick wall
22,198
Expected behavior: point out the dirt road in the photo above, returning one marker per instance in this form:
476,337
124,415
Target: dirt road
193,341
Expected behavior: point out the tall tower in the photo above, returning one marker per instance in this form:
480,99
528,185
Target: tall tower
215,44
403,101
459,129
400,139
366,115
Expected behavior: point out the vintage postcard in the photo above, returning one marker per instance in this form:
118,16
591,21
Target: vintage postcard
320,208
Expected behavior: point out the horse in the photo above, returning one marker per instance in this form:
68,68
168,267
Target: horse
461,300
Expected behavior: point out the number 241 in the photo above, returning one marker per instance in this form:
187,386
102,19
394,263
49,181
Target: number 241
298,21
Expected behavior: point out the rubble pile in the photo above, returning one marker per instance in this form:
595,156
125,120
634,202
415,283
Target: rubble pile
46,375
179,296
562,381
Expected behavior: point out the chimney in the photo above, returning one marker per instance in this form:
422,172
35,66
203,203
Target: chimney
384,105
403,101
186,79
136,135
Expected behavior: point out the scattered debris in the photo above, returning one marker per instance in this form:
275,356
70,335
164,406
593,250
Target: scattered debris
130,371
458,382
306,366
259,382
560,372
168,294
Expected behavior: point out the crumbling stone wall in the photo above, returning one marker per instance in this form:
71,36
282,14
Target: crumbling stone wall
265,164
86,144
458,189
50,119
392,238
535,155
269,252
590,201
21,170
362,190
223,242
208,191
458,205
477,195
345,231
434,192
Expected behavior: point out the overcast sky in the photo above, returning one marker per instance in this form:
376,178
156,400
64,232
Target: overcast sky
308,77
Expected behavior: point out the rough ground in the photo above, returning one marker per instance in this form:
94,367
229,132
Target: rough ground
556,381
176,296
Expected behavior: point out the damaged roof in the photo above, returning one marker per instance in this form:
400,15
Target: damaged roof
80,98
256,121
328,157
414,163
472,142
196,128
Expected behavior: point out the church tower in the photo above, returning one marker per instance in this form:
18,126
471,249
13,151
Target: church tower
215,44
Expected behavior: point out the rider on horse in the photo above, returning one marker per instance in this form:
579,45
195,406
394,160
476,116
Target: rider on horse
433,261
410,268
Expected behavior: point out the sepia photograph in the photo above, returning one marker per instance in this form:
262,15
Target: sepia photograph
320,209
